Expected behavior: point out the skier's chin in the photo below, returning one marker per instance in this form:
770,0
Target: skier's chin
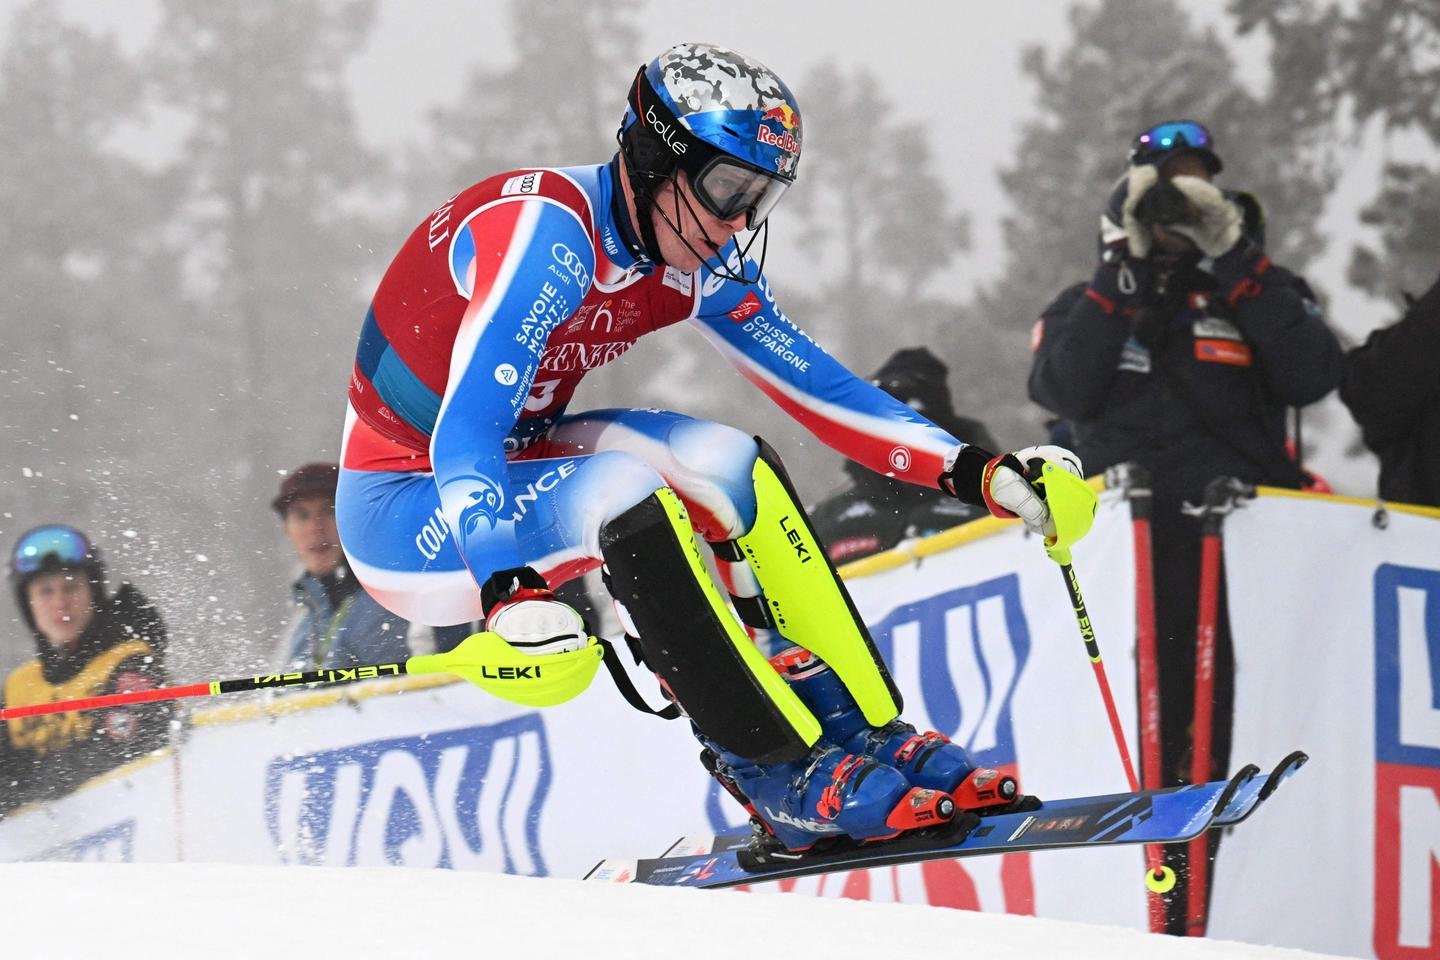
684,261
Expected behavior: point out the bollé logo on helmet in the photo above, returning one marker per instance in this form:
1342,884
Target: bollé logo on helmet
666,131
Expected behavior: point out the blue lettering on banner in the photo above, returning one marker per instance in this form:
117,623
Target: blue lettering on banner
1407,762
968,647
463,799
112,844
1407,665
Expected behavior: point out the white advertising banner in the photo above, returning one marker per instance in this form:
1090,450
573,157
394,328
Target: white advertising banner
976,626
1336,621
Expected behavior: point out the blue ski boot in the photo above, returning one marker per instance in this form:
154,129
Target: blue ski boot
928,760
828,793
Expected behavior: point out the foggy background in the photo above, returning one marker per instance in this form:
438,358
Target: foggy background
198,199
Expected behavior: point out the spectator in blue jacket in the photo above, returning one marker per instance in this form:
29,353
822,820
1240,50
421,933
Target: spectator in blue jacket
337,624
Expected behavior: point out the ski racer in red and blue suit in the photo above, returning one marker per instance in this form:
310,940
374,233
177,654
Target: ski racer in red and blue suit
469,489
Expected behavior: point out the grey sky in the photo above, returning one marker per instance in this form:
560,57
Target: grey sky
955,70
953,65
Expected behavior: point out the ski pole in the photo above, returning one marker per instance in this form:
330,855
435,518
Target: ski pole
211,688
1092,649
1072,502
1158,877
484,659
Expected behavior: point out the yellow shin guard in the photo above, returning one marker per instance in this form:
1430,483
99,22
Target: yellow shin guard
805,597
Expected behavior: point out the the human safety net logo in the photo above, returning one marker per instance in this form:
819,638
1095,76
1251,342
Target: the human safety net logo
957,658
1407,763
466,799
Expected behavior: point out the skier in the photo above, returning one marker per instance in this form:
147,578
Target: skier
461,465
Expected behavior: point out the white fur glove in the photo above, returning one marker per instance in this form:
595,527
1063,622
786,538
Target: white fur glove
1137,234
1218,221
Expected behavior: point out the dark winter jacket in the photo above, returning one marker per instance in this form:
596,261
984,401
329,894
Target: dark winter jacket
121,651
1184,370
875,512
340,625
1392,386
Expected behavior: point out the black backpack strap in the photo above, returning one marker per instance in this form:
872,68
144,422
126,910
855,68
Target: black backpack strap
627,688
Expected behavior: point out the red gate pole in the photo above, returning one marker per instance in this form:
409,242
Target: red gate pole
1135,481
1220,496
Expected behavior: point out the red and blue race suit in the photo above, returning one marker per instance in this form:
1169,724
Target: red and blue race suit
459,458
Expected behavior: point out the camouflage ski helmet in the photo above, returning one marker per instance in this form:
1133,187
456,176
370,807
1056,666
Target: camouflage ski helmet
724,119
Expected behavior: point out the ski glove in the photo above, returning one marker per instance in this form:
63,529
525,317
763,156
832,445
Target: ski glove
1004,484
520,608
1137,234
1218,221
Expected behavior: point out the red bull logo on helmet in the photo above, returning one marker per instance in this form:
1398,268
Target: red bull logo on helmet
785,118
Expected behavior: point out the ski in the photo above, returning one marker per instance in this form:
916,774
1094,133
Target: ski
1169,815
1251,791
1257,790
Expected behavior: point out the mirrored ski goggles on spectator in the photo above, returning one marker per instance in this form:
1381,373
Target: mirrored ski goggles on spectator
1164,137
66,545
728,188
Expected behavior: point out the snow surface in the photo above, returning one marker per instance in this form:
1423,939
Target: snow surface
119,911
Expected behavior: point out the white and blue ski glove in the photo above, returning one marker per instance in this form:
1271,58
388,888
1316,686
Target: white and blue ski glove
1005,484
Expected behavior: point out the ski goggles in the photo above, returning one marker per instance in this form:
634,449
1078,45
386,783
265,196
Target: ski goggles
728,188
1165,137
55,544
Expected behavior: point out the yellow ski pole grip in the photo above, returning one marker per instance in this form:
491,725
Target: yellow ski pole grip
538,680
1073,502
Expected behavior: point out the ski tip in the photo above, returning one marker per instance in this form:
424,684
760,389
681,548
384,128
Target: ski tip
613,871
1294,761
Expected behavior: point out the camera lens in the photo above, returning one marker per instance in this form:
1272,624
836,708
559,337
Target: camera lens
1163,204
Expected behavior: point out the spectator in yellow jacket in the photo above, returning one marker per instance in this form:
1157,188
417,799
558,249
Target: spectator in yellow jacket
87,643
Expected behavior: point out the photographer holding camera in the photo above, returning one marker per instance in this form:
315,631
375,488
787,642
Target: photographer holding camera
1182,354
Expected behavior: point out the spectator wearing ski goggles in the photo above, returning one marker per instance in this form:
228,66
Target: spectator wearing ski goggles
1175,138
87,642
57,574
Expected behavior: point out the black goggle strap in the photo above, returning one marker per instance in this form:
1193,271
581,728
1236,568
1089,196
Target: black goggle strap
649,158
642,187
